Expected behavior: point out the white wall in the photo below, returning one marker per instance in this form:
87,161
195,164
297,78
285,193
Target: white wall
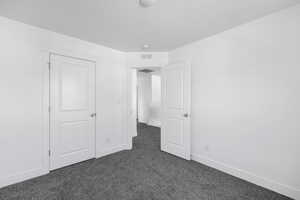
133,103
246,100
154,113
23,143
144,96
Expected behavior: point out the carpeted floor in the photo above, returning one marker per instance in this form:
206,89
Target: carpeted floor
144,173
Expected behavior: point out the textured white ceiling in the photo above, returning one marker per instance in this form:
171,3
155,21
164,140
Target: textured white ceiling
124,25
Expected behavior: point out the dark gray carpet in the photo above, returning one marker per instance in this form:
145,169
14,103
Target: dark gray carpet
144,173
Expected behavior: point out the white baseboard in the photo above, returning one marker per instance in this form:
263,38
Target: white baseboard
261,181
111,151
22,176
33,173
154,123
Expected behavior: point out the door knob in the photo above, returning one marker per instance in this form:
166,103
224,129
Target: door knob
93,115
185,115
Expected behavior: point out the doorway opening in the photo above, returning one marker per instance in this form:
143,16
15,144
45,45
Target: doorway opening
161,97
149,97
148,107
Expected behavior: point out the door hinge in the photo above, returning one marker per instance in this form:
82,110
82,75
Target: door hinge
49,153
49,108
49,66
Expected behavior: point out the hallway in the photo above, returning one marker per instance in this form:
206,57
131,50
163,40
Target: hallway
148,138
144,173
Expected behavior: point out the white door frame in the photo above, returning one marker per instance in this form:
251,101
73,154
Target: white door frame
45,56
130,113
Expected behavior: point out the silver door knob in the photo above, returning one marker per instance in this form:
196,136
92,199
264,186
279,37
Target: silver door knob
93,115
185,115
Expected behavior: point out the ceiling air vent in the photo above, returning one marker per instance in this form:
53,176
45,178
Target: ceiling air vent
146,70
146,56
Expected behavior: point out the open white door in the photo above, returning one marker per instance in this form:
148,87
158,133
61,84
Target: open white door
72,115
176,97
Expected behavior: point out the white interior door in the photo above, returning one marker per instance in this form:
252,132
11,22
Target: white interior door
176,97
72,115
